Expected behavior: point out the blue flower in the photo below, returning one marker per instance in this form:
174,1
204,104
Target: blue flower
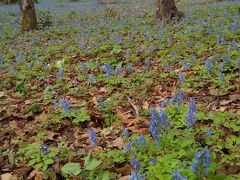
128,54
191,114
174,54
221,77
178,97
154,115
81,45
201,162
193,106
107,69
91,79
163,118
226,59
177,176
140,141
133,176
147,62
60,74
44,149
154,131
83,68
208,65
128,147
185,65
190,44
135,164
129,68
118,70
235,45
170,41
153,161
126,133
100,102
150,49
209,133
92,137
181,77
65,104
164,103
1,58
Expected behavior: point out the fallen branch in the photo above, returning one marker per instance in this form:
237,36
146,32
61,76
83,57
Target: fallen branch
133,106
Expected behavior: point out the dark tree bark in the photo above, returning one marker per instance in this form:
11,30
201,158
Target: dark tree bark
29,18
166,9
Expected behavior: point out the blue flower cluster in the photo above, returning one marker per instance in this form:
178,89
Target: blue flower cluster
60,74
191,114
208,65
92,137
158,121
177,176
107,69
44,149
201,162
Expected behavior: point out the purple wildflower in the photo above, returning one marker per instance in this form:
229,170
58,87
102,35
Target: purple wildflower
178,97
208,65
154,131
107,69
201,162
91,79
135,164
126,133
128,147
65,104
44,149
181,77
177,176
30,65
191,114
140,141
60,74
100,102
234,45
226,59
153,161
92,137
133,176
190,44
185,65
221,76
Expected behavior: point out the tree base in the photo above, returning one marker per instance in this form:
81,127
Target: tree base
166,10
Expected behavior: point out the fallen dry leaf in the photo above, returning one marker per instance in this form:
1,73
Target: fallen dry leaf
124,171
6,176
124,178
118,143
123,117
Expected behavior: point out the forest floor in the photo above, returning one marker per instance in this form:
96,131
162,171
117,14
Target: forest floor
108,93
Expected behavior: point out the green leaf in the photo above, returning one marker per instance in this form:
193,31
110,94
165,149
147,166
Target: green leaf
11,157
32,162
48,161
39,166
72,169
91,164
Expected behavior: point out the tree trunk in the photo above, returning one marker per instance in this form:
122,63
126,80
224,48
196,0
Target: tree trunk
166,9
29,21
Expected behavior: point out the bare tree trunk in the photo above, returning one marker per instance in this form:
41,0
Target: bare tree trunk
29,21
166,9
